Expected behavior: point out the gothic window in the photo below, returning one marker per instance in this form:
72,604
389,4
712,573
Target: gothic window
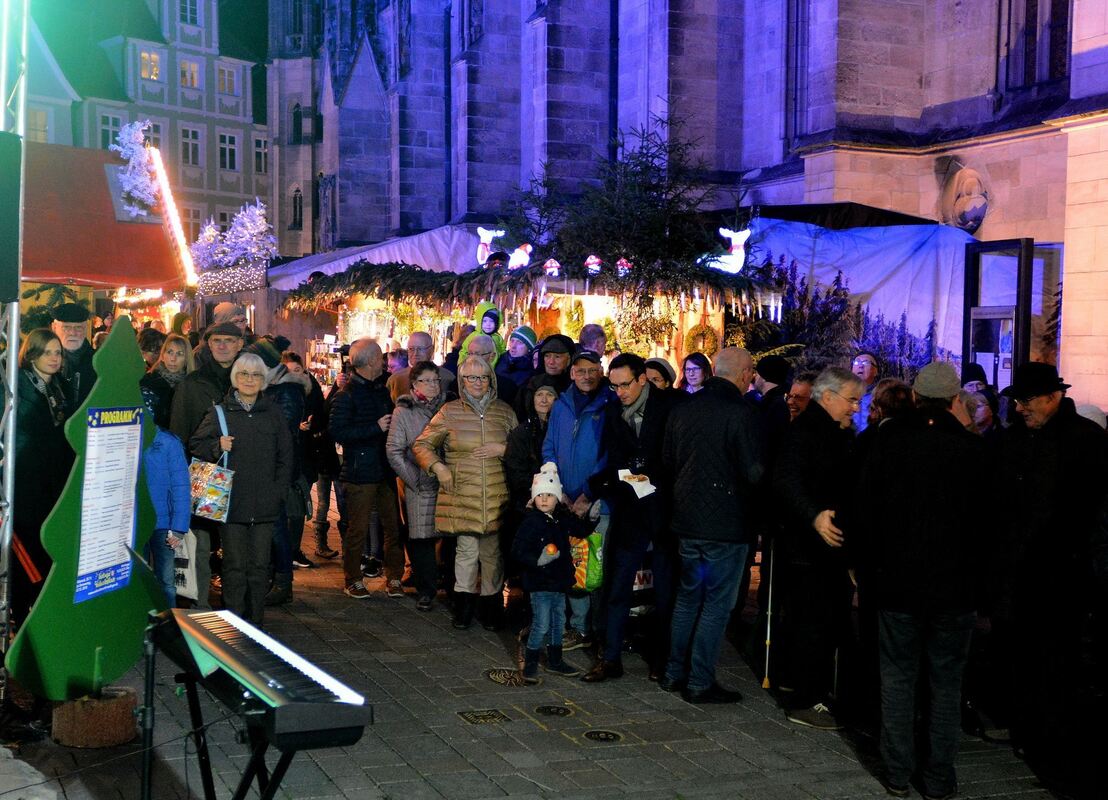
796,70
1038,41
297,221
296,18
296,125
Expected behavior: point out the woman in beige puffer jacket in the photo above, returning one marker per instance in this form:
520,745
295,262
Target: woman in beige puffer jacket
462,446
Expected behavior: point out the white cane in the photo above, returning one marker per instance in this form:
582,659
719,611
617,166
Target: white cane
769,610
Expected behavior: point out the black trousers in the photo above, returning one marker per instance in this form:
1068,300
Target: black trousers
817,604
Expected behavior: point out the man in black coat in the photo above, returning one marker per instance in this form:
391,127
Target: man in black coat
634,432
713,446
813,478
1051,468
919,549
71,326
360,418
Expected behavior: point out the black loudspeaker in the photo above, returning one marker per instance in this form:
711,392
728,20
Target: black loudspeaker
11,150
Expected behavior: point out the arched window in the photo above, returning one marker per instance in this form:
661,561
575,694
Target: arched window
297,222
296,126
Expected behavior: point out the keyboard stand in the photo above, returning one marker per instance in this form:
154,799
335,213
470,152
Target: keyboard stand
199,734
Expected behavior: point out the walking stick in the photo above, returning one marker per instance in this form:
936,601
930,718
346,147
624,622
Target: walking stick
769,610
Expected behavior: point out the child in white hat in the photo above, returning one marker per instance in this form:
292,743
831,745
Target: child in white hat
541,548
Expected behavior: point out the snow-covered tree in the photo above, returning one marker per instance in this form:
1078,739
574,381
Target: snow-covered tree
208,251
250,237
140,189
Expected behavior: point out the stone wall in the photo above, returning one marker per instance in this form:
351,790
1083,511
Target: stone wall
363,148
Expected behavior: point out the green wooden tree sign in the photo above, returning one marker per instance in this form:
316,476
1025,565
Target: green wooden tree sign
86,628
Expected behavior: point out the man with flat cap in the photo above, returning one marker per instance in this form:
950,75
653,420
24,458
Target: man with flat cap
71,326
1051,468
202,388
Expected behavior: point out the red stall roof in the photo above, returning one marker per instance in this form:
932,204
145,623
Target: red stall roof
75,230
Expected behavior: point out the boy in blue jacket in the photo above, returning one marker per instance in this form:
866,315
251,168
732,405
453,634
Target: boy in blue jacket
167,480
541,547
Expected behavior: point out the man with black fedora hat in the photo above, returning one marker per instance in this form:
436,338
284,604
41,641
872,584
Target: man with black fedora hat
1052,464
71,326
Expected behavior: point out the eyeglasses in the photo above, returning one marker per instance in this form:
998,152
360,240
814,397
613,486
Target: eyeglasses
429,380
793,396
693,368
254,376
626,385
475,378
480,354
1026,401
864,362
851,400
589,371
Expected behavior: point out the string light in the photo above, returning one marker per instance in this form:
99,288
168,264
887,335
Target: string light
229,280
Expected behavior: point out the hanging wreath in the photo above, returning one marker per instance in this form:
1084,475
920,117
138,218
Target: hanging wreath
702,339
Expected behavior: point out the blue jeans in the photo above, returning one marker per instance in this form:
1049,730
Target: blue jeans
323,507
579,605
161,562
941,642
710,575
548,616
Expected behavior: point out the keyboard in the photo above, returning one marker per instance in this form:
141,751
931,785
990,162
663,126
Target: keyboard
297,705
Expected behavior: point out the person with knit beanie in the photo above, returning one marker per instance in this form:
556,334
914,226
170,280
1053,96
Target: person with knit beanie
517,364
541,548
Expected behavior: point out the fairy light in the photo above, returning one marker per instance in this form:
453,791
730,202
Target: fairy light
172,218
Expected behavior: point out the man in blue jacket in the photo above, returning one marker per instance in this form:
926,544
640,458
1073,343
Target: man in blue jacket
575,442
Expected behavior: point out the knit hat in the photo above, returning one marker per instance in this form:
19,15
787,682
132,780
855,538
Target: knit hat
225,312
664,367
557,343
774,369
547,481
973,372
525,335
266,351
937,379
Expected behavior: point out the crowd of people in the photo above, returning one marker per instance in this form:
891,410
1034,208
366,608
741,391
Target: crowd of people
943,511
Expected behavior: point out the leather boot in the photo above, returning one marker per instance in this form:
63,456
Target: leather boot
281,592
555,664
463,609
531,665
492,612
603,670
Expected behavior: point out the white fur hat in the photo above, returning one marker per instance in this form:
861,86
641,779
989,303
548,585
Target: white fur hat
547,481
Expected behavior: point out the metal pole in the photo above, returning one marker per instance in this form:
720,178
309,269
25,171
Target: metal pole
13,119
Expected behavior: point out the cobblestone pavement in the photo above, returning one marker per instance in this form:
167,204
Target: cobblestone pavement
421,675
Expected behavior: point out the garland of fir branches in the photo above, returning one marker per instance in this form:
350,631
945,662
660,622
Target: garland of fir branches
397,282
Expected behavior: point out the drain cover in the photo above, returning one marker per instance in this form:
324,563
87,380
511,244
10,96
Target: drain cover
505,677
554,711
603,736
485,716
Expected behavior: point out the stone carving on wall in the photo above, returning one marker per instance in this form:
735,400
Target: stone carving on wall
326,212
964,201
403,37
474,21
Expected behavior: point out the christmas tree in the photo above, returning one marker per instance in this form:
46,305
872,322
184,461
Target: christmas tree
140,190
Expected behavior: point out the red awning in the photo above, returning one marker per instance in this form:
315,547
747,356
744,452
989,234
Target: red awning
72,232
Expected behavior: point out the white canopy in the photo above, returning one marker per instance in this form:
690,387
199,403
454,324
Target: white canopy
451,248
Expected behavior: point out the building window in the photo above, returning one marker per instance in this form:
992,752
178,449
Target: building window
189,11
190,147
223,220
296,126
190,74
228,81
1038,35
296,18
297,222
228,152
153,135
190,221
261,156
109,129
796,70
38,122
150,66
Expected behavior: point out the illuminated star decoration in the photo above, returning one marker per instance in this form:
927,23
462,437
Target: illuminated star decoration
733,261
484,247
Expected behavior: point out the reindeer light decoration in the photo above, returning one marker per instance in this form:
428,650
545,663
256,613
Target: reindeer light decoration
484,247
735,257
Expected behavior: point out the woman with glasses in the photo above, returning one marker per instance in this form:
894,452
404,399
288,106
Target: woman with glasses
418,489
259,450
462,446
695,370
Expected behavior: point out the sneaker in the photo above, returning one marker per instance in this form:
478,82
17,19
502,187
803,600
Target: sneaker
818,716
371,568
326,552
300,561
394,589
893,790
356,590
564,669
573,640
425,603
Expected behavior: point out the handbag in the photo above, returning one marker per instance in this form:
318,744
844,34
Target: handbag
588,560
184,566
211,483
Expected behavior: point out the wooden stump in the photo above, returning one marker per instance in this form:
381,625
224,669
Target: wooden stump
106,721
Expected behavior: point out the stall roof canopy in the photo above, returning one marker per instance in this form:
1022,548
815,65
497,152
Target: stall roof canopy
832,216
75,230
451,248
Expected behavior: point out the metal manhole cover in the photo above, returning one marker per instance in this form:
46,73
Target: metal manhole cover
554,711
603,736
484,716
505,677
